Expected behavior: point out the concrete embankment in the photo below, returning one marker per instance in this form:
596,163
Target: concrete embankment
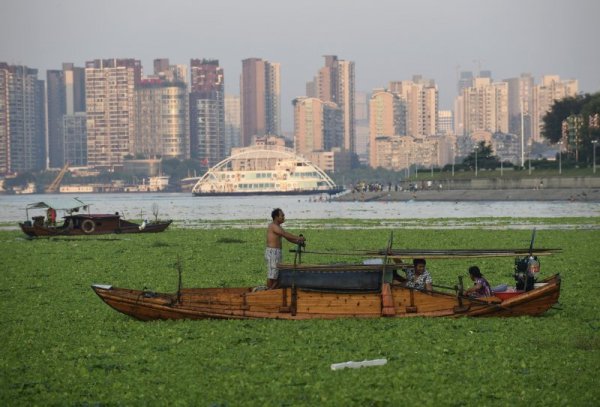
580,189
550,194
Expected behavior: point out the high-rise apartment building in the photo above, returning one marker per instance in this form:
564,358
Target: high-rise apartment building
170,73
387,117
550,89
335,82
422,103
22,120
65,96
485,106
459,116
162,121
75,139
207,111
361,125
160,65
4,120
110,107
318,125
403,152
260,90
55,94
232,123
520,106
445,122
465,80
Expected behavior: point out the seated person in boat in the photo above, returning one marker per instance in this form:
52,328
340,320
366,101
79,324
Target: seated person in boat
51,212
416,277
273,253
481,287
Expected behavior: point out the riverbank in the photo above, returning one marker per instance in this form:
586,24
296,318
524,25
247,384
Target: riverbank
456,195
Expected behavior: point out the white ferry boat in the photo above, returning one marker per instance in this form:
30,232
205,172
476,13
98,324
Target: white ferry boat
264,170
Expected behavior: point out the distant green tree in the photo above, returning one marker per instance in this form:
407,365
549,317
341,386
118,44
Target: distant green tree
485,157
591,126
178,169
559,111
584,105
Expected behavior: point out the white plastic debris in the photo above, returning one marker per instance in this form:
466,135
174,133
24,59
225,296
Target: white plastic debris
354,365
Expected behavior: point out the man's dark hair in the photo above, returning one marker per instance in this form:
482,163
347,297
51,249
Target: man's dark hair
419,261
475,272
275,213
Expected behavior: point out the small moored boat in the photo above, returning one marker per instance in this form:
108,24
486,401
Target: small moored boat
82,224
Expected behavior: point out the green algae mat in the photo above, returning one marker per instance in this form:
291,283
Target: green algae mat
61,345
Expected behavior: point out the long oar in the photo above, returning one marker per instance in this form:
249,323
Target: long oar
437,254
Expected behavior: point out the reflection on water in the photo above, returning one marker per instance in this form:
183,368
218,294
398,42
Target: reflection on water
184,207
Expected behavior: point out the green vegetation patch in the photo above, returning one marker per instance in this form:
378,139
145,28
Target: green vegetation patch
63,346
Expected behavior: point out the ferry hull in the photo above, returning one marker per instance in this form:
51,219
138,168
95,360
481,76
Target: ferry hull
299,192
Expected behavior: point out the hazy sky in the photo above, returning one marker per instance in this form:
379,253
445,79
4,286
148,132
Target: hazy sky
388,40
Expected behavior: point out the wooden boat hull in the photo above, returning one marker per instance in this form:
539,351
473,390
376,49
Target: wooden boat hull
299,303
89,225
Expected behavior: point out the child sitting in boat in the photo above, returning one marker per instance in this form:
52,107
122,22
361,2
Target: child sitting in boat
481,287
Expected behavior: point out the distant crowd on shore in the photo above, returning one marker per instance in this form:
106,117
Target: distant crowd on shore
381,187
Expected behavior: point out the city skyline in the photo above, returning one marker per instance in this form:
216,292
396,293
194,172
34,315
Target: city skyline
388,41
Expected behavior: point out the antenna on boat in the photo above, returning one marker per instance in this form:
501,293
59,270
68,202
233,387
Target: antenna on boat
531,244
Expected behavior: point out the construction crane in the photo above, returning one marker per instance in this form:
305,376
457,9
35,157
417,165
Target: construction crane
53,187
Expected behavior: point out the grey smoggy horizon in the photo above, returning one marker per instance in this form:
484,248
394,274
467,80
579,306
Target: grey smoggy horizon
387,40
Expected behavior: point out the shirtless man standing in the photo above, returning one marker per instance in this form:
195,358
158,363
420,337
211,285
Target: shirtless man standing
273,254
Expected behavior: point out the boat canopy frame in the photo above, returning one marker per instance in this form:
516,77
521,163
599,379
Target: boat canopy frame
68,205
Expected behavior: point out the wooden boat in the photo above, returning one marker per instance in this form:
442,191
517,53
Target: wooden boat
83,224
327,292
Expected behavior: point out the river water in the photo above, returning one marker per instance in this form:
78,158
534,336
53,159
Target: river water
183,207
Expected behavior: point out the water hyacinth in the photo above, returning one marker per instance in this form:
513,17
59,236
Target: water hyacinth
63,346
